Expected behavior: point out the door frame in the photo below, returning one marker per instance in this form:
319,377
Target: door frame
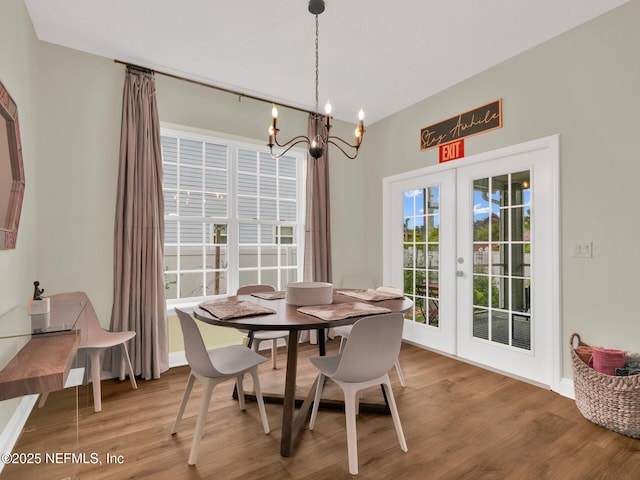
551,145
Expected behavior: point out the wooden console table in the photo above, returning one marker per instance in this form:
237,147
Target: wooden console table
43,364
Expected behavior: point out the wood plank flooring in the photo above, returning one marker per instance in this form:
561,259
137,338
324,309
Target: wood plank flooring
460,422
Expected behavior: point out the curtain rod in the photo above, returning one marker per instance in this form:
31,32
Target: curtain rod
202,84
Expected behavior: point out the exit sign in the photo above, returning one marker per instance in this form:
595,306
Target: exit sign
451,151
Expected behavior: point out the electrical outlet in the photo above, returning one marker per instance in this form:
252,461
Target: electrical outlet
581,249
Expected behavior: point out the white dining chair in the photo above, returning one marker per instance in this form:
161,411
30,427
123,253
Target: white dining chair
265,335
212,367
373,347
343,332
95,340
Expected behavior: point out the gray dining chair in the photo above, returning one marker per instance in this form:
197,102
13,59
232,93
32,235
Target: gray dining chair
265,335
343,332
372,349
212,367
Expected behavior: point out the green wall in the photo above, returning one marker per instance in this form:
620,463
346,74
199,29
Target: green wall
18,73
585,86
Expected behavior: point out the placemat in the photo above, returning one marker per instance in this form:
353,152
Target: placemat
370,295
269,295
340,311
235,309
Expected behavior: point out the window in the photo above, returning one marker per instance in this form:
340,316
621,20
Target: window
232,216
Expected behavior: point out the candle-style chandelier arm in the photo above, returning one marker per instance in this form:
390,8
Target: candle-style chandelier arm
339,147
289,145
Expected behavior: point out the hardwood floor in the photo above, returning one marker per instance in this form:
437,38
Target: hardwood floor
460,422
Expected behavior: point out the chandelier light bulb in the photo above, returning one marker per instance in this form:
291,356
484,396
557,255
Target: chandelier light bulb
274,112
361,115
327,108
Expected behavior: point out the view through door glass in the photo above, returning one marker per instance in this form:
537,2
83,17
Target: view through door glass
421,217
502,259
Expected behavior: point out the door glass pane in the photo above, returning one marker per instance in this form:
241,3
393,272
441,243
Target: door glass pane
501,259
409,252
481,210
420,255
481,323
500,327
421,218
481,290
481,258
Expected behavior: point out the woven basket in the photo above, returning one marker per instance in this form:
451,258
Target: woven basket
609,401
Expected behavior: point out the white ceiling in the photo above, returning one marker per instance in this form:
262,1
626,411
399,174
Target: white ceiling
380,55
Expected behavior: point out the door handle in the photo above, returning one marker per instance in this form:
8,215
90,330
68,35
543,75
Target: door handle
459,273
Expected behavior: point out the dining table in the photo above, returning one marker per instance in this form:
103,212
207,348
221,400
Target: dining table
272,312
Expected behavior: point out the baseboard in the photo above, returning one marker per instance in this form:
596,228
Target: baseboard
12,431
565,388
177,359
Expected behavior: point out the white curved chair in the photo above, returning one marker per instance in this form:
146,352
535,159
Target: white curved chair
373,347
265,335
95,339
211,368
344,331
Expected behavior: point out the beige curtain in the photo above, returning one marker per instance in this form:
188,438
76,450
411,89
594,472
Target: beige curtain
139,293
317,253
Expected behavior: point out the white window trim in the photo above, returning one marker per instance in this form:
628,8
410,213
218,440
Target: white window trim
235,143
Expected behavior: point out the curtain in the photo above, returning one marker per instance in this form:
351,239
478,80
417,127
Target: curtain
139,293
317,246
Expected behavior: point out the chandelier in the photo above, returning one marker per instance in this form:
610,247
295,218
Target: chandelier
320,136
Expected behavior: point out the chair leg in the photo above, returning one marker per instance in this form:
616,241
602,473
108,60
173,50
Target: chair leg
43,399
400,375
202,419
343,341
240,389
126,361
261,408
274,352
183,404
352,437
94,356
396,416
316,401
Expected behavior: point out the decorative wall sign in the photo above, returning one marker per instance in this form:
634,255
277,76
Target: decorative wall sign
479,120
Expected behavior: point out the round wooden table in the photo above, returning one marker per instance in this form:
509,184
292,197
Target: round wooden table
287,317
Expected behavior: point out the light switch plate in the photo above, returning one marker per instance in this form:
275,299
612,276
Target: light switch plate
581,249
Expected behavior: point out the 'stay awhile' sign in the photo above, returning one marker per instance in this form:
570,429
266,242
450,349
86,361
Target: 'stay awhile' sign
479,120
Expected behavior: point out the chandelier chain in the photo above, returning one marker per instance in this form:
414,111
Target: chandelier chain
317,62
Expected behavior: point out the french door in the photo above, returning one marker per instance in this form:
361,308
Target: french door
475,244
